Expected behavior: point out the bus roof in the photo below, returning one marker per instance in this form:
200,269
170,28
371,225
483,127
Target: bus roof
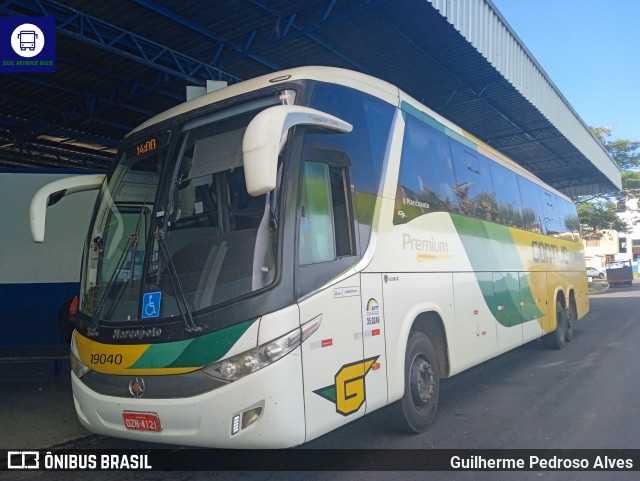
348,78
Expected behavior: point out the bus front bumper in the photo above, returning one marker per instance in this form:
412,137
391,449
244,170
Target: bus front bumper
213,419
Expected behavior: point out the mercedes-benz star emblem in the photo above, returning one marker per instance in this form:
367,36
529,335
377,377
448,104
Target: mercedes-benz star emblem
136,387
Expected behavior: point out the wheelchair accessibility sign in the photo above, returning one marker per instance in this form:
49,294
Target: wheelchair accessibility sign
151,304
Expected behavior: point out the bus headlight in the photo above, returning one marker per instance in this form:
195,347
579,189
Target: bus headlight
77,366
236,367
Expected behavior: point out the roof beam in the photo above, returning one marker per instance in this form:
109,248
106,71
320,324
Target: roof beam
295,30
119,96
53,156
185,22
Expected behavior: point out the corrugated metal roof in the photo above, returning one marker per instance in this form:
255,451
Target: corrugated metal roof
120,62
480,22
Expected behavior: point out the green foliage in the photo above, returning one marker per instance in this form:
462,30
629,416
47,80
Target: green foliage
598,213
631,182
626,153
598,216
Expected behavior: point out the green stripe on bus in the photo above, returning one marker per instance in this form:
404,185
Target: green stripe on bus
196,352
498,268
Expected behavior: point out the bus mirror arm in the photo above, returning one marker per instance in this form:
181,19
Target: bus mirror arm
262,141
51,193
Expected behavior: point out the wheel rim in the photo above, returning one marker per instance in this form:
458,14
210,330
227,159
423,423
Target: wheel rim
421,380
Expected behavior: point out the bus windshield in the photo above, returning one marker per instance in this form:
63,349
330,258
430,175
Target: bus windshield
201,241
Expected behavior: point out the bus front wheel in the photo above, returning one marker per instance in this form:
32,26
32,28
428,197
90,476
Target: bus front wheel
416,410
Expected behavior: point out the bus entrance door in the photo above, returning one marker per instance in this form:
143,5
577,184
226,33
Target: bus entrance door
332,359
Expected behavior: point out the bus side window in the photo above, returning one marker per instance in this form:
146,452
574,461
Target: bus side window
551,213
531,206
474,186
325,231
509,204
569,223
426,180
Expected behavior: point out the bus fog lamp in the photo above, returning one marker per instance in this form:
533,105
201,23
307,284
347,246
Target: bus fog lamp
251,416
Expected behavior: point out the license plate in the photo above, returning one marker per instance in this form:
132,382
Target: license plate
141,421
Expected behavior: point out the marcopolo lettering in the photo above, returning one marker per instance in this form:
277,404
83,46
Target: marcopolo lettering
136,333
415,203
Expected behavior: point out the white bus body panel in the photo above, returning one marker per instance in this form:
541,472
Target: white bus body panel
374,331
406,296
336,343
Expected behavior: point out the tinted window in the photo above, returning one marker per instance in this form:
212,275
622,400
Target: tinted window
531,205
550,213
507,195
426,180
474,188
365,146
569,224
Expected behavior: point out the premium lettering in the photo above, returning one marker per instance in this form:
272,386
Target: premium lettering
423,245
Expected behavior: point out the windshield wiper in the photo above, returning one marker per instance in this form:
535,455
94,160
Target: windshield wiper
131,245
92,329
135,236
174,277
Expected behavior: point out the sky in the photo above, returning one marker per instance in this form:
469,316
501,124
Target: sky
590,49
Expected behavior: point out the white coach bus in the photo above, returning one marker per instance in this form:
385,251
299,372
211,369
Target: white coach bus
275,259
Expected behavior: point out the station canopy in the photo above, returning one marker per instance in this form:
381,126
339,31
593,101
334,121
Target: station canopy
120,62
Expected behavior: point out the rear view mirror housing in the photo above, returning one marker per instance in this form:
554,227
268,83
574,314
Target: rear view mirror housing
51,193
263,141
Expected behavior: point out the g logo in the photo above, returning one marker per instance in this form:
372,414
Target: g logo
348,393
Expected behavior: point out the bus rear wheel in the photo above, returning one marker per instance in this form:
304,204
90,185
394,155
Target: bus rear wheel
572,317
558,338
415,412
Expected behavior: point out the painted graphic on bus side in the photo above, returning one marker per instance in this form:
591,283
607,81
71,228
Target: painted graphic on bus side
348,392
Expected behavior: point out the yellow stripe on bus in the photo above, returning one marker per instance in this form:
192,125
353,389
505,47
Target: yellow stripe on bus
117,358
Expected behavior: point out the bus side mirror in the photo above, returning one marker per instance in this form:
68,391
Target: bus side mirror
263,141
54,191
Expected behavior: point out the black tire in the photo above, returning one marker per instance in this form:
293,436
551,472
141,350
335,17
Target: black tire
572,318
415,412
558,338
601,275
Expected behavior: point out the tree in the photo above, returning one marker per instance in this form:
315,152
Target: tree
599,213
626,153
598,216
